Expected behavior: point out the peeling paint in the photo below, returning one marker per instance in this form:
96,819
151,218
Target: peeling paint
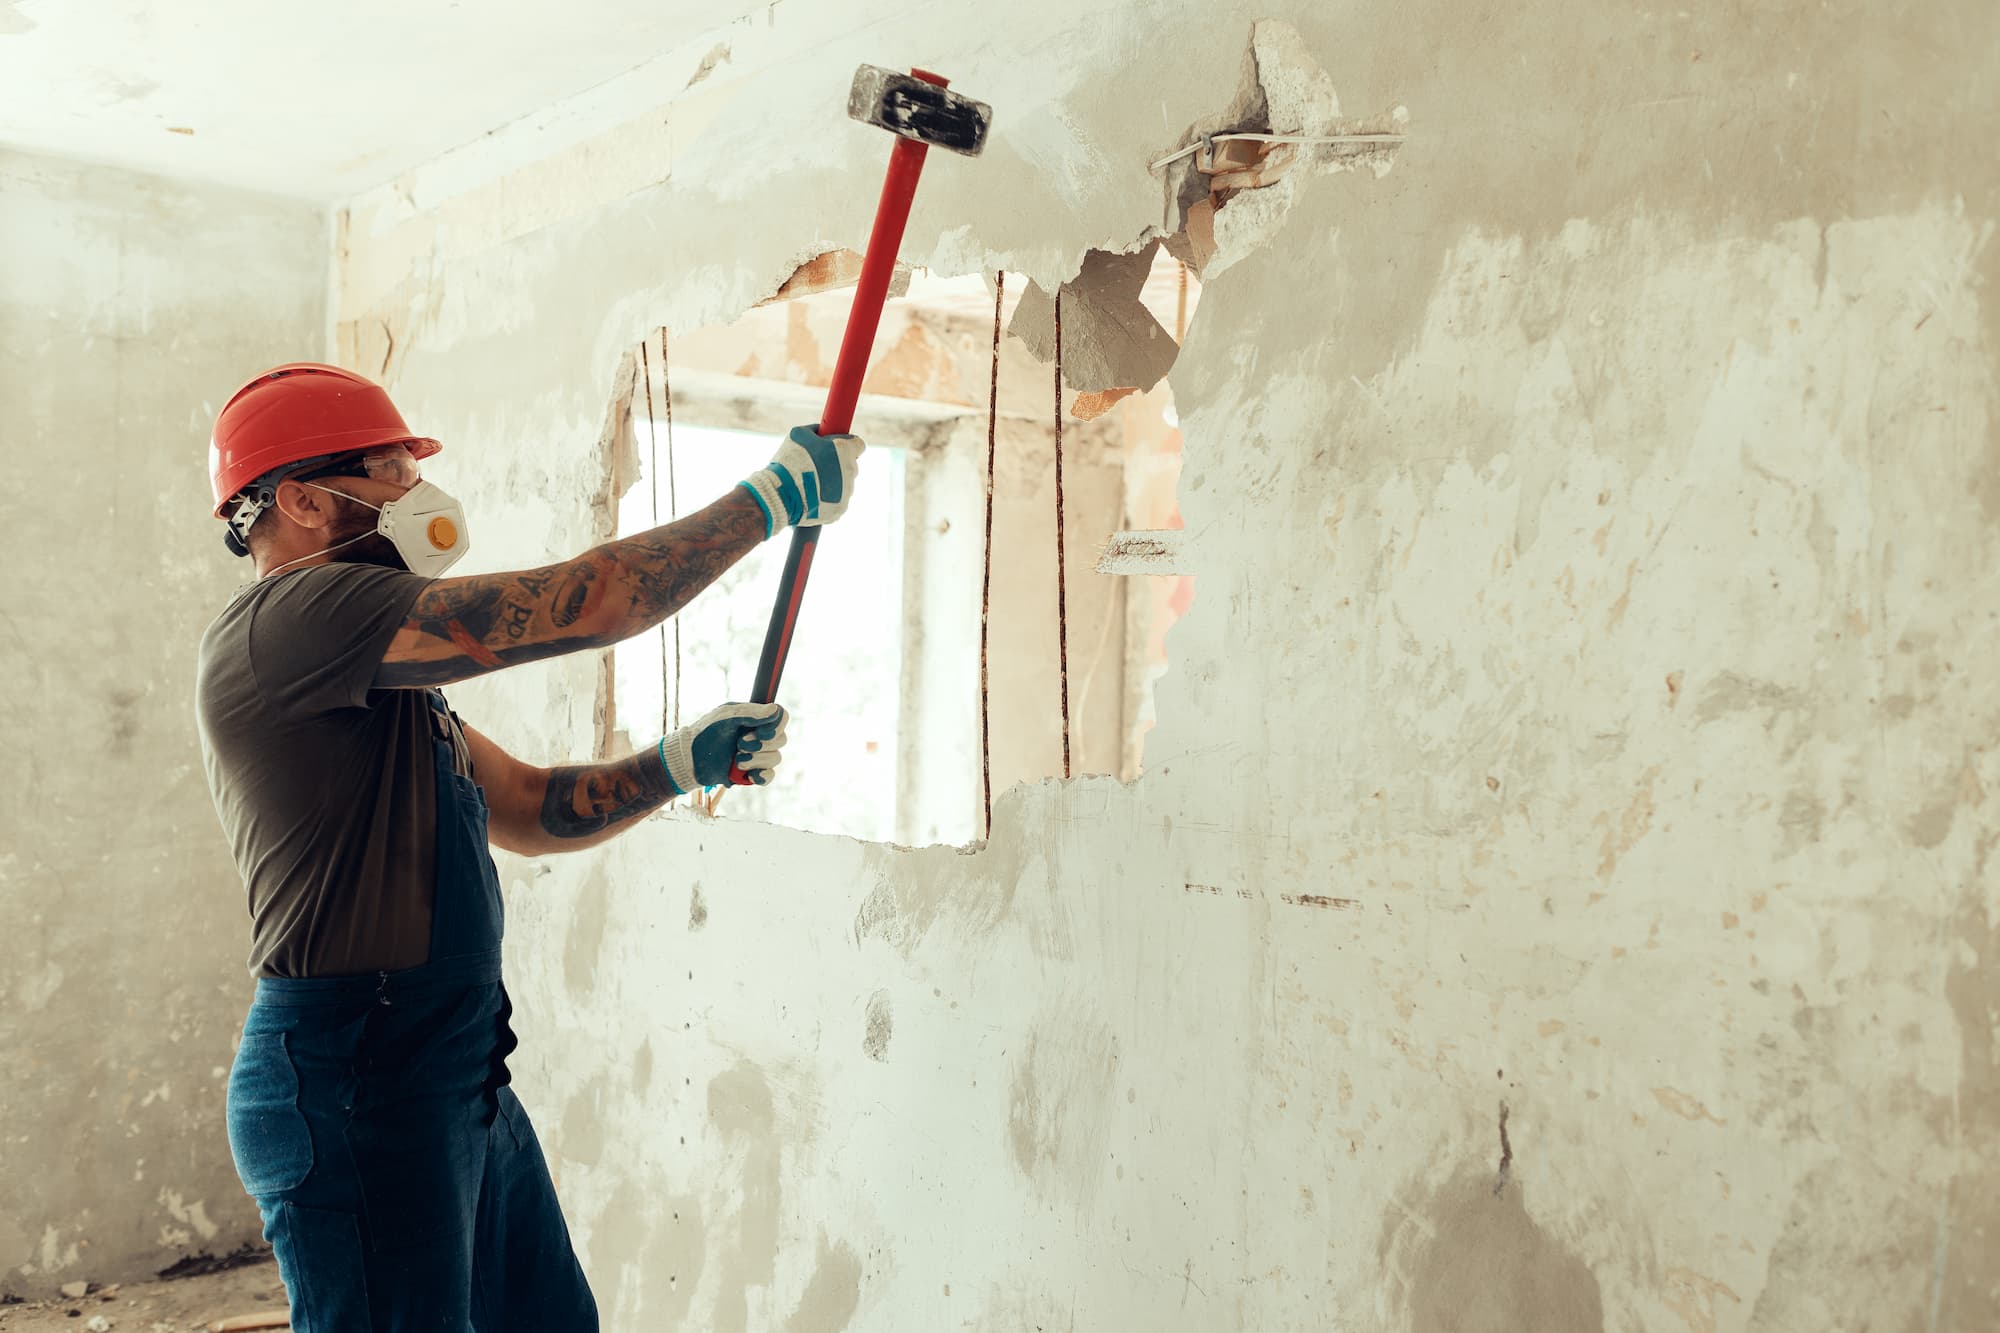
1495,462
193,1214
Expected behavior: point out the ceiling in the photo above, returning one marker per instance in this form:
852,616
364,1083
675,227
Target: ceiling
318,101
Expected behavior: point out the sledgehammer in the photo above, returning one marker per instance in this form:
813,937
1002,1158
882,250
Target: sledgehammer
917,109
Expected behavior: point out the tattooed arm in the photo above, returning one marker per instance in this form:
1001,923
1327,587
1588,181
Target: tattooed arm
460,628
465,627
537,811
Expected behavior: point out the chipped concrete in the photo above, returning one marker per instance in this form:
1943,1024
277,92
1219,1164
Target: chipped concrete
1593,519
1282,90
1110,341
830,271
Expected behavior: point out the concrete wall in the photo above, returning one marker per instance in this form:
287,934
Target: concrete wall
1559,893
130,307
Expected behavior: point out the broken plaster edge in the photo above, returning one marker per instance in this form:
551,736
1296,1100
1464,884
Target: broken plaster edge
1150,551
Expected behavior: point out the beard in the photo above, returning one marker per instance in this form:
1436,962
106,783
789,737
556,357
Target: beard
357,524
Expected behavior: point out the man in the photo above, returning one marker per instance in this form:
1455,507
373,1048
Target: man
398,1177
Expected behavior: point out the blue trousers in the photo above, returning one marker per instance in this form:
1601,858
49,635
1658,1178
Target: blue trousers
400,1182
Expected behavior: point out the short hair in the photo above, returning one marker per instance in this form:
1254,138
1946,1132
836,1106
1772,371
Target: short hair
259,538
261,496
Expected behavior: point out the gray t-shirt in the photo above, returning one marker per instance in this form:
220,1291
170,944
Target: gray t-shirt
326,788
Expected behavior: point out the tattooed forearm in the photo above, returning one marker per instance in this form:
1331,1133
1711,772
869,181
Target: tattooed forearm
587,803
572,595
465,627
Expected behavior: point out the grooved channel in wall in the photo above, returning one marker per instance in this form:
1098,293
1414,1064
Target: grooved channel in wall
884,676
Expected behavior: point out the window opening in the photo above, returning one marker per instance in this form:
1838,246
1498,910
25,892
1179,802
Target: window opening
842,688
884,682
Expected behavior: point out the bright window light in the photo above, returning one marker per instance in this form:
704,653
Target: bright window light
842,681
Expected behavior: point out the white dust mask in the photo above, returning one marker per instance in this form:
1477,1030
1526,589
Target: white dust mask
424,524
427,527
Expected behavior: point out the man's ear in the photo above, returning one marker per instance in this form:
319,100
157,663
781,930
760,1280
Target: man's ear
307,506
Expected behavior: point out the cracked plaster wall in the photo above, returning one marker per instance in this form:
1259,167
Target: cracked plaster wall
1560,892
130,307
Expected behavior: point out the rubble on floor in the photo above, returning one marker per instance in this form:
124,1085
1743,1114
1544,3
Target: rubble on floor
232,1299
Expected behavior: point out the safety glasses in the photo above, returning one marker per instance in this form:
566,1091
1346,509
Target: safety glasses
391,463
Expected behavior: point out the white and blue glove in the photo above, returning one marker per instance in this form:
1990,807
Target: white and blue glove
810,482
749,736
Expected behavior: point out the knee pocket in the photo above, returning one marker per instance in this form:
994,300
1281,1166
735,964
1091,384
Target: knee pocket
268,1135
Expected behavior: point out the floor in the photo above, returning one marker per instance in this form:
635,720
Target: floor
174,1305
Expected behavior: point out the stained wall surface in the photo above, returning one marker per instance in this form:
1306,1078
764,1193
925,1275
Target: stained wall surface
130,307
1559,894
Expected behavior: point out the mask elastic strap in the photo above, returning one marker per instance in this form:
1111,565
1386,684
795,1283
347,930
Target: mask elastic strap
337,546
310,555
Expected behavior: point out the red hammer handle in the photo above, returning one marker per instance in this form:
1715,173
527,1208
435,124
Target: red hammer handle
892,213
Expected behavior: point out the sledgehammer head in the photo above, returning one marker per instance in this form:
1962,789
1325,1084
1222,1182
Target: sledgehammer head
918,109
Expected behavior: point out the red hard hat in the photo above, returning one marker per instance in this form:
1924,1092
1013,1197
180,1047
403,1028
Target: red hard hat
299,411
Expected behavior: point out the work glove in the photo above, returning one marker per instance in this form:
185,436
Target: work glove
809,483
749,736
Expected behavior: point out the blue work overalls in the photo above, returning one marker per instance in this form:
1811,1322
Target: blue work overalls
399,1180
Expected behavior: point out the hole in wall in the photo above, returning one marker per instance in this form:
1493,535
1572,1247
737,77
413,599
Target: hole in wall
884,676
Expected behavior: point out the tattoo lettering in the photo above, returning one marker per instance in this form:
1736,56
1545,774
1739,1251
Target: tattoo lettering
515,619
